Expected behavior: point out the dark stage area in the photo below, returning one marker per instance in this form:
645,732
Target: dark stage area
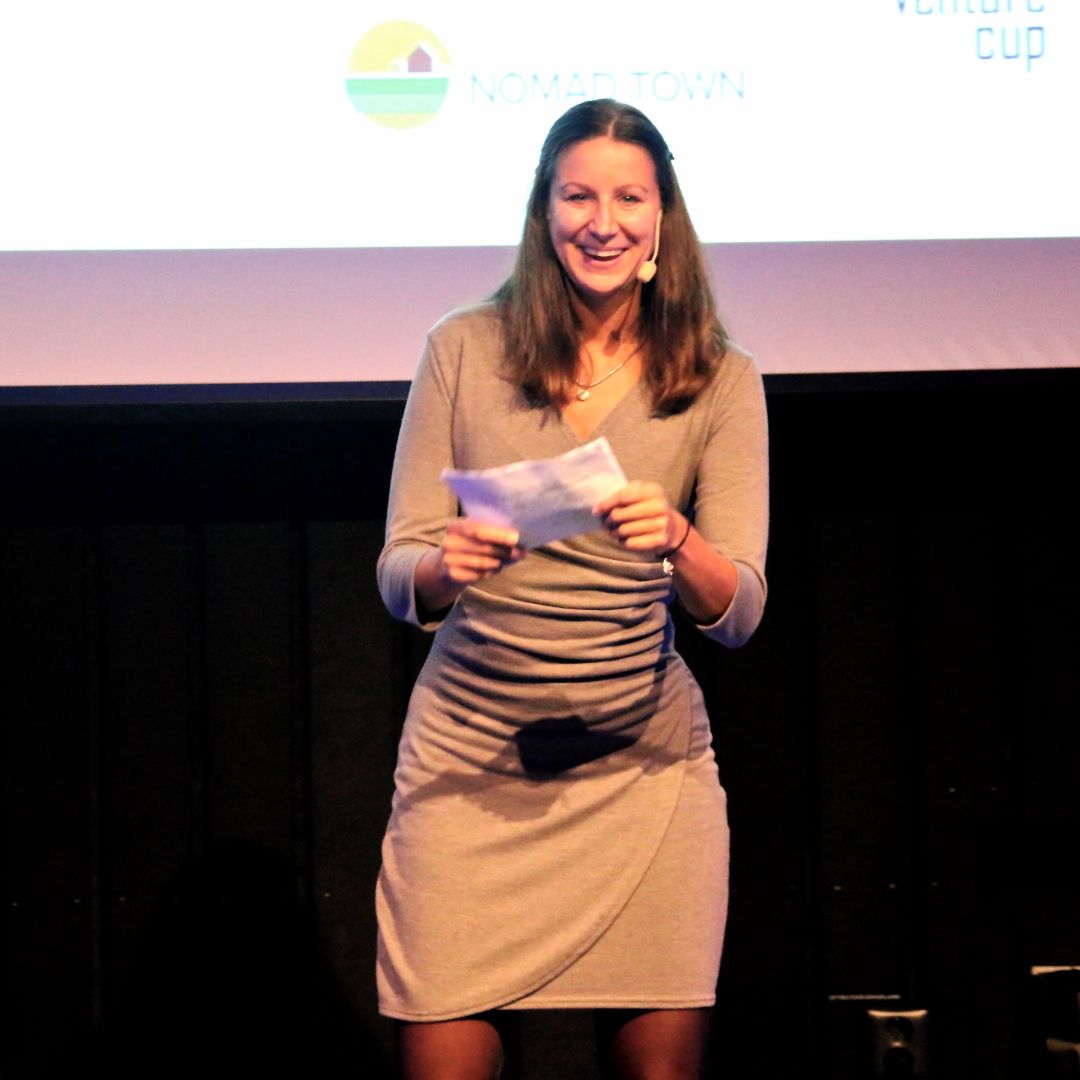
202,695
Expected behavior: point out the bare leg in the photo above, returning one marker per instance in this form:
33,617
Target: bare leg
658,1044
467,1049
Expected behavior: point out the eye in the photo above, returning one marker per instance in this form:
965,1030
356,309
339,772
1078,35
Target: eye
629,199
576,197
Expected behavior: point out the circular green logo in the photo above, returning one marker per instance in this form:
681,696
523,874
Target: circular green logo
398,74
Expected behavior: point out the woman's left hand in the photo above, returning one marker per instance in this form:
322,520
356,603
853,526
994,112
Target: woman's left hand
640,517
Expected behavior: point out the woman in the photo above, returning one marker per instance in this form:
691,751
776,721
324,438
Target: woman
558,837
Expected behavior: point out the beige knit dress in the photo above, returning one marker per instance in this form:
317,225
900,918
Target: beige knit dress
558,835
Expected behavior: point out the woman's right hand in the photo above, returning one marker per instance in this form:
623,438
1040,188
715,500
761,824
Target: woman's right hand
470,552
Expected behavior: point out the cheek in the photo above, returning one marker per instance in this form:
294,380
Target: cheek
645,232
558,226
562,232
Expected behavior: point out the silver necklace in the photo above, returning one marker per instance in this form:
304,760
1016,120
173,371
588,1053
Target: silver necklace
584,389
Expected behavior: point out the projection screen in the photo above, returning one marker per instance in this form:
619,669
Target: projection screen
240,192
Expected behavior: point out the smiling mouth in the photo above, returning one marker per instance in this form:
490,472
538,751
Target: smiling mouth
602,255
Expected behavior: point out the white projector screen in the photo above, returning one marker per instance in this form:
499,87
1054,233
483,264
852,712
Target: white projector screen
282,192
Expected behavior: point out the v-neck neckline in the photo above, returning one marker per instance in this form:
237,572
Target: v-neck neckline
599,427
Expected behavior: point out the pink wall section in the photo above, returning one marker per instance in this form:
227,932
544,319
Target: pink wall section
344,315
911,306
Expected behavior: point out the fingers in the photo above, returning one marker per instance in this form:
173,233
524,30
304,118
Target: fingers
472,550
638,491
639,517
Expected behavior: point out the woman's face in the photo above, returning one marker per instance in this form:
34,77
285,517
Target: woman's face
602,210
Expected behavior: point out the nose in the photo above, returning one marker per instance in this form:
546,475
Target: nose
603,223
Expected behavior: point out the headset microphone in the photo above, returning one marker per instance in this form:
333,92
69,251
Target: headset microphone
647,270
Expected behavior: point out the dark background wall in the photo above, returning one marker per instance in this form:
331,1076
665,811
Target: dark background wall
202,696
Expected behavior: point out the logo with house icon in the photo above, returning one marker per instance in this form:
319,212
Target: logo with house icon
398,74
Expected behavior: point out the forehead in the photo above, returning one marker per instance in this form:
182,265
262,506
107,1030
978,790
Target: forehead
605,162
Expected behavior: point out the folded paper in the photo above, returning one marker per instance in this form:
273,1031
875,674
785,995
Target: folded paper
544,500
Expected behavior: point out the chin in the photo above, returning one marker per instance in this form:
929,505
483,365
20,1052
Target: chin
601,285
608,289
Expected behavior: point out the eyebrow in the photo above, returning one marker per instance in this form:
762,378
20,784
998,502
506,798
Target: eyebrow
619,187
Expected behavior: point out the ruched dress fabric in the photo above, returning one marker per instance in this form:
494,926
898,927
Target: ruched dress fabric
558,833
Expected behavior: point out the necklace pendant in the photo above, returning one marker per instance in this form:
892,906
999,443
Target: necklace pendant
583,395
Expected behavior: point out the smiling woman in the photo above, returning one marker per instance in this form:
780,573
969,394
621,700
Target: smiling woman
572,309
558,837
605,203
604,212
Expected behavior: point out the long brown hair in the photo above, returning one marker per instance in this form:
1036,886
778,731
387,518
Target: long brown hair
681,336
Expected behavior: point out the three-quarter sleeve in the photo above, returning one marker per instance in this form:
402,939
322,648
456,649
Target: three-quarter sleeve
732,494
420,503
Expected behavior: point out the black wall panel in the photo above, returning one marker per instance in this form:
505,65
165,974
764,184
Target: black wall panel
52,792
202,696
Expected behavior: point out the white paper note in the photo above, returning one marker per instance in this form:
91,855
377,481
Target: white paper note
544,500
